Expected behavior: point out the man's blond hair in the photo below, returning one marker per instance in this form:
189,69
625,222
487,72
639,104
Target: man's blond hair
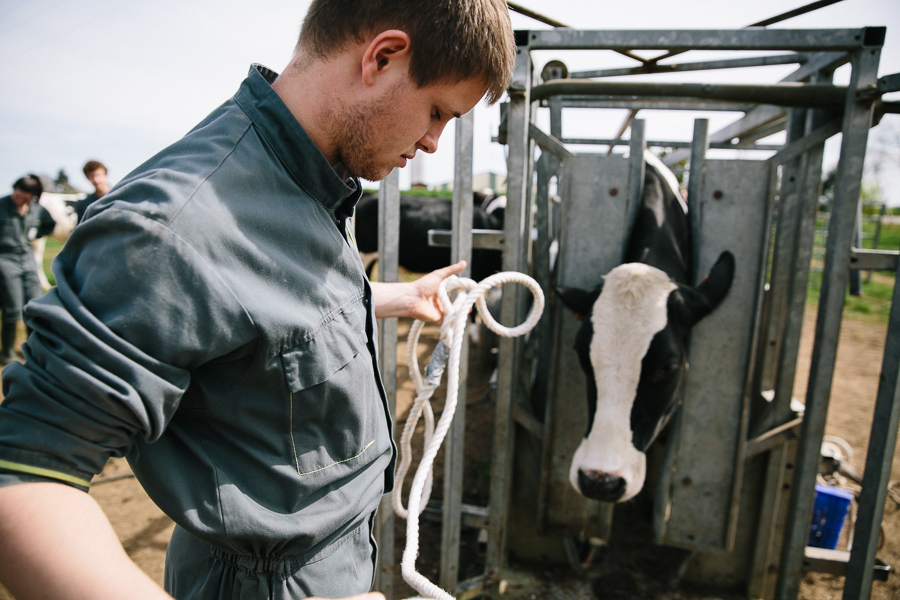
451,40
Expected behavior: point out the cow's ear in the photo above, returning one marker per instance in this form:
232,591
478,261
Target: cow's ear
703,299
579,301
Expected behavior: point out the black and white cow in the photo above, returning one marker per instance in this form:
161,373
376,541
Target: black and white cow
418,215
631,345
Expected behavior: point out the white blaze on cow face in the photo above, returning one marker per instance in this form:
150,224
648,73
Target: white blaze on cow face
630,310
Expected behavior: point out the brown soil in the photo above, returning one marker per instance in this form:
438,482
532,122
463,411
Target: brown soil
144,530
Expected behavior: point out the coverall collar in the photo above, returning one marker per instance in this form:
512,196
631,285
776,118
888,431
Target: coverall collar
299,155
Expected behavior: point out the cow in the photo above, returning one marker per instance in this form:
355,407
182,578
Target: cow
631,345
418,215
62,212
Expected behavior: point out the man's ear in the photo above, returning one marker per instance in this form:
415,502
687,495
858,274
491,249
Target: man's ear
384,51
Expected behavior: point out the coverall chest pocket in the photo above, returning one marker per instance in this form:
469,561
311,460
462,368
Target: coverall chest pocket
335,413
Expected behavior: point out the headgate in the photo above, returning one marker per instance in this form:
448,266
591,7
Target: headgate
737,479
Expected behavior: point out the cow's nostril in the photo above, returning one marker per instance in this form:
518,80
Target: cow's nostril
601,486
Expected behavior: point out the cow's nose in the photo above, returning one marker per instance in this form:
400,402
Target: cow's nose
601,486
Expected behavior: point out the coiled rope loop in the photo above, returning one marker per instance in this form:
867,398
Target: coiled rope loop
456,313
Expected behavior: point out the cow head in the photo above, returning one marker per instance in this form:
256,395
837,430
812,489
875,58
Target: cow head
631,347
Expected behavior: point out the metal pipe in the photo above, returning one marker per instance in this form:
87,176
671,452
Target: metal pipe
813,95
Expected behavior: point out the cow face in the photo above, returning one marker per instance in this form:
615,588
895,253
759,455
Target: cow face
632,350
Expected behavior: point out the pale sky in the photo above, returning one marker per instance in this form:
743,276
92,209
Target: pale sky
118,81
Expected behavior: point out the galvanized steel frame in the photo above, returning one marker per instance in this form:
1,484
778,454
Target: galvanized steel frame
817,51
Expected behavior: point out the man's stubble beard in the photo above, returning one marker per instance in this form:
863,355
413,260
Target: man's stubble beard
355,141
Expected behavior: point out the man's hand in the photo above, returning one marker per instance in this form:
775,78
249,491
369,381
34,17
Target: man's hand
415,299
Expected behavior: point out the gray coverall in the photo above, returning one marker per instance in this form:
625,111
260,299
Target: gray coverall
19,281
212,322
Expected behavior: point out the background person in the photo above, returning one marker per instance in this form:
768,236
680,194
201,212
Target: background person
213,322
22,220
95,172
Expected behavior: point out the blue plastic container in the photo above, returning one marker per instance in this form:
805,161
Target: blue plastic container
828,516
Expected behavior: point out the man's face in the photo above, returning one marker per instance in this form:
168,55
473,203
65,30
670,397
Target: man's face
388,131
97,177
21,198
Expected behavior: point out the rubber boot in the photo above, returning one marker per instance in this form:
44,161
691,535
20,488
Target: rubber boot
8,342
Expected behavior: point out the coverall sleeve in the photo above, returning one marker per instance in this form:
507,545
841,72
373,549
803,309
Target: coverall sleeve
136,309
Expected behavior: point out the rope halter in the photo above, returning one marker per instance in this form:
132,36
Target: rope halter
448,349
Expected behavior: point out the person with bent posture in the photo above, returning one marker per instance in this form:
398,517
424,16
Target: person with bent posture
212,322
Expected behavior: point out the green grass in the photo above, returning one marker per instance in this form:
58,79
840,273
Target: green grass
874,302
52,249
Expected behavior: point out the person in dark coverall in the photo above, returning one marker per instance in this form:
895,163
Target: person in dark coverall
22,220
95,172
212,322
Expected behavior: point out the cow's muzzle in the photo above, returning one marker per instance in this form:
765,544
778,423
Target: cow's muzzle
601,486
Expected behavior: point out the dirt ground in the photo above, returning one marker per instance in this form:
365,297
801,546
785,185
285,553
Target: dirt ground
144,530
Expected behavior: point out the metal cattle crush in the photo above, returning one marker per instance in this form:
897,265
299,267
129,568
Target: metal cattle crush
737,477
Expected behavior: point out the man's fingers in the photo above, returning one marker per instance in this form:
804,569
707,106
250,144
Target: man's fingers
450,270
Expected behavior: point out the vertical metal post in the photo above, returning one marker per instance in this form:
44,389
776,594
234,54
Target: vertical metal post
518,183
460,249
855,130
877,474
699,147
780,460
388,261
782,256
636,171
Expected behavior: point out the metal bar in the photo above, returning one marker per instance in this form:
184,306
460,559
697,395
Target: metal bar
534,15
548,143
695,180
773,438
636,172
857,119
873,260
779,469
782,255
834,562
711,39
554,23
653,104
519,171
794,13
546,331
889,83
670,144
879,457
624,127
753,120
484,239
782,17
762,115
814,95
806,143
706,65
388,257
454,458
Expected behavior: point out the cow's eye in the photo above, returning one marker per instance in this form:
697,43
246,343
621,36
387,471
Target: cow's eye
665,371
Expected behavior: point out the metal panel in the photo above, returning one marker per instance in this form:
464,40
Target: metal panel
711,434
596,210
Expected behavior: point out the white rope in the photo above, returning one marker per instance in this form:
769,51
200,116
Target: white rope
456,313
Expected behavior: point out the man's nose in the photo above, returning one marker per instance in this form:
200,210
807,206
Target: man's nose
429,142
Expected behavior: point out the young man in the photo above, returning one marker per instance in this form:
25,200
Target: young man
95,172
22,220
212,321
